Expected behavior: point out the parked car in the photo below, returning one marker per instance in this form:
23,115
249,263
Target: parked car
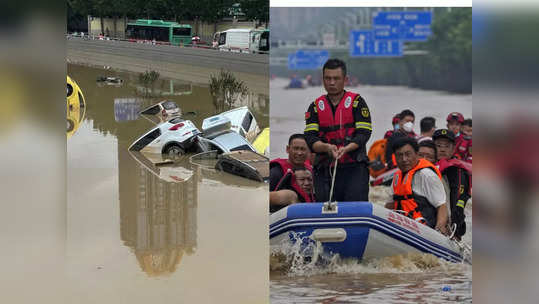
173,137
165,108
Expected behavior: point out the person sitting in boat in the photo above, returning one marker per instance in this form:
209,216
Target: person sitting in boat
457,175
395,123
304,179
463,149
418,191
427,150
454,122
283,185
295,83
427,126
406,128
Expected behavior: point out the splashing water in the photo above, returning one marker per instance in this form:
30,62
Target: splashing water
306,257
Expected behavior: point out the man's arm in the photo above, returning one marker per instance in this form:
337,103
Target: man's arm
362,118
431,186
441,219
460,194
283,197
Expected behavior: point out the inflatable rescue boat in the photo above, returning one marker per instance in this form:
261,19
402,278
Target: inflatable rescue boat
359,230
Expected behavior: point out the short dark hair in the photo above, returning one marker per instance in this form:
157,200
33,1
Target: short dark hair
467,122
333,64
403,141
429,144
427,124
405,113
300,169
296,136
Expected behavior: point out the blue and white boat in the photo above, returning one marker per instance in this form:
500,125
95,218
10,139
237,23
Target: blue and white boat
359,230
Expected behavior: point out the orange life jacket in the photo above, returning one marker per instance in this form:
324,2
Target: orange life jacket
336,128
414,205
377,151
286,168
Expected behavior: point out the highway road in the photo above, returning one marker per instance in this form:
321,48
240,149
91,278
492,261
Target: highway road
184,63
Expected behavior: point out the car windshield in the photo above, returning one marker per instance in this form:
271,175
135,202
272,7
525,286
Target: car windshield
169,105
151,111
175,120
144,141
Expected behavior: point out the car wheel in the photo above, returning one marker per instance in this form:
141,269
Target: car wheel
174,151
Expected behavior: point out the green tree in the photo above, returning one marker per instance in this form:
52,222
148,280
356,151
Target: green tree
451,47
256,10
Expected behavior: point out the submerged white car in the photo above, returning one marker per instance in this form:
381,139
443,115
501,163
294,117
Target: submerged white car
217,134
243,122
173,137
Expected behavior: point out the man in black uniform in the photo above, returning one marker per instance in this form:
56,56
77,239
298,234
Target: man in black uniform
338,126
457,174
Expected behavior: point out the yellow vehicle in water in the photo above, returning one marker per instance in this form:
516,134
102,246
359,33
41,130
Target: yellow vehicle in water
75,106
262,142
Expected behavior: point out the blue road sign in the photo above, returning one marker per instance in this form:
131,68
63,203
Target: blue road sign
406,26
363,44
307,59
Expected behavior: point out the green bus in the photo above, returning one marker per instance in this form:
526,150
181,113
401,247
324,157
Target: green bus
160,31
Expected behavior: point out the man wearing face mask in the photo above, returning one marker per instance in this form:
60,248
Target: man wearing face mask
406,128
395,123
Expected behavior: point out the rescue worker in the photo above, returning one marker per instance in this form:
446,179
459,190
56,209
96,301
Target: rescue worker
457,174
454,122
417,187
406,128
284,189
338,126
463,143
427,126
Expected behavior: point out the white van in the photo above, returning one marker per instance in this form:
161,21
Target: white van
243,40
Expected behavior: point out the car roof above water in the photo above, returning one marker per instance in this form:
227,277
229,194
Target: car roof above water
231,140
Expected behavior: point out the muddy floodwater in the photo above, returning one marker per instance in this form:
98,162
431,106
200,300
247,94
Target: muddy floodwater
141,234
413,278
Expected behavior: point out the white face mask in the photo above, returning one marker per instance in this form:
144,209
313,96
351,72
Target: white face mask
408,127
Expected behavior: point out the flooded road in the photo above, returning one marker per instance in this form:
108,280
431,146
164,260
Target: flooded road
399,279
288,107
138,233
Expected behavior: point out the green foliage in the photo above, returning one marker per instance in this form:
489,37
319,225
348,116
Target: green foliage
225,89
450,47
202,10
256,10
